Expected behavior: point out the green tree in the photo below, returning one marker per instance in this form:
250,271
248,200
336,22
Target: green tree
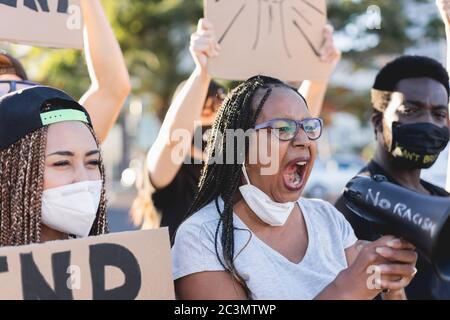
154,35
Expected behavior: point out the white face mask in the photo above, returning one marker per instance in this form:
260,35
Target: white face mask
72,209
269,211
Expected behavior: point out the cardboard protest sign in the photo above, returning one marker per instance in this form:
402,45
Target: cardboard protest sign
279,38
47,23
129,265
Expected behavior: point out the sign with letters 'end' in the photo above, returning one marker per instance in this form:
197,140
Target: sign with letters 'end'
278,38
45,23
117,266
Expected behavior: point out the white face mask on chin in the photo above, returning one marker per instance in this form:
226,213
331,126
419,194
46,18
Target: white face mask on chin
269,211
72,209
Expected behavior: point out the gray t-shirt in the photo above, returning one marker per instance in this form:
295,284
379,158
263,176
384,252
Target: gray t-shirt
267,273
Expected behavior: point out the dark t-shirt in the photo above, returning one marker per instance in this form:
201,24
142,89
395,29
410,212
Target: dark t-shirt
426,284
173,201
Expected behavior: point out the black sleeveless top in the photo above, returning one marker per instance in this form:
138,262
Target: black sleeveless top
173,201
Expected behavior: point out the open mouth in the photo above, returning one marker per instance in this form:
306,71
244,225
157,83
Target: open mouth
294,174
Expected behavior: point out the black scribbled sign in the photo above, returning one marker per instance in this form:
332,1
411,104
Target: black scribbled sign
35,287
123,266
268,30
280,7
38,5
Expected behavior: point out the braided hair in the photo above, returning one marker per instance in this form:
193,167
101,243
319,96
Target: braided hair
240,110
21,186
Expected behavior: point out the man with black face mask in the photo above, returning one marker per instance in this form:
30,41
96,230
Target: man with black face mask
410,99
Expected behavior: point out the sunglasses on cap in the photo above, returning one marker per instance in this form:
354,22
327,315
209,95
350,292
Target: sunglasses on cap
8,86
287,129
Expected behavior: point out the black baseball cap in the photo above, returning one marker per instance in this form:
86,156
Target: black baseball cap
30,109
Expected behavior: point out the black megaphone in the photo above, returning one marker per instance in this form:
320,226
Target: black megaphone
423,220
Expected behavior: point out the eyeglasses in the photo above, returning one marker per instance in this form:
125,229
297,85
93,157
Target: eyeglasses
7,86
287,129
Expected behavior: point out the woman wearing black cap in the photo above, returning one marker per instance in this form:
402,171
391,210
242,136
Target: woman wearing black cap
110,84
51,172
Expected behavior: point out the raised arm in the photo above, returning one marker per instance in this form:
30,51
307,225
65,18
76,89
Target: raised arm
444,9
314,91
184,111
110,83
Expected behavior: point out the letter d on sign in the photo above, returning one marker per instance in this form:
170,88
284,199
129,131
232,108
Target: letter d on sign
106,254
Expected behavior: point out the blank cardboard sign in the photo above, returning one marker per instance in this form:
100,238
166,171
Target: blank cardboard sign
49,23
118,266
279,38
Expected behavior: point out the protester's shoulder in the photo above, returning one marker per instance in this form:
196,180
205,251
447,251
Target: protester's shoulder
195,249
321,208
436,190
329,219
201,221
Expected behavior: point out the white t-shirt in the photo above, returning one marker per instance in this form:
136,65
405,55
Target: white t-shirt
267,273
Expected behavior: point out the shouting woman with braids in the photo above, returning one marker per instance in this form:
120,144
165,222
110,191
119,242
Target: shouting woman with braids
165,176
251,235
51,172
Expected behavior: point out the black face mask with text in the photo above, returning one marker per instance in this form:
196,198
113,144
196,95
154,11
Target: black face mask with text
417,145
